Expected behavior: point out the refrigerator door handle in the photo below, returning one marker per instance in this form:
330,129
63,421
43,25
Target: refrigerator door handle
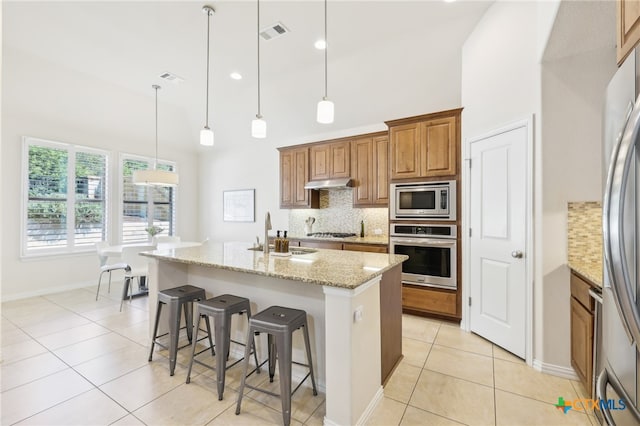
613,225
605,379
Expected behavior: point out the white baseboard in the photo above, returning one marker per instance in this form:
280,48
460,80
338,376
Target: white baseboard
48,290
364,418
367,412
555,370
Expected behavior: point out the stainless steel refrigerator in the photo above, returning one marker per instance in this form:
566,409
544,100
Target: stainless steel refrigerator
618,363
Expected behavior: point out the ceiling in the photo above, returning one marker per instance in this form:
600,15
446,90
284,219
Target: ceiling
386,59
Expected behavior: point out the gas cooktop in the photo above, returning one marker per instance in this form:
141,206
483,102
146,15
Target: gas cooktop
331,235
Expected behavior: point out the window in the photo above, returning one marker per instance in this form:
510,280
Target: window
64,209
145,206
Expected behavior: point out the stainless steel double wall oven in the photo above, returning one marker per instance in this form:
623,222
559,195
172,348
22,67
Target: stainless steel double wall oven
423,226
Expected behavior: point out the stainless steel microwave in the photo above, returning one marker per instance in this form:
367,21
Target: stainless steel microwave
426,200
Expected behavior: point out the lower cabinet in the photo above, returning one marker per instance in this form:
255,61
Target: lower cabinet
332,245
365,247
430,300
582,328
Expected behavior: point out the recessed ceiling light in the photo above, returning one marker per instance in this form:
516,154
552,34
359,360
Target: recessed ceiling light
449,1
236,76
320,45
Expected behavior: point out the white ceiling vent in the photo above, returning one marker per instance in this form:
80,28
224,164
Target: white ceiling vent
273,31
169,76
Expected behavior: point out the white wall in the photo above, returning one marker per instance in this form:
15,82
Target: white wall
503,80
430,83
44,100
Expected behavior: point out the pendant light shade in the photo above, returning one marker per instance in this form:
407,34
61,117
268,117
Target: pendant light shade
258,125
155,177
206,134
325,111
206,137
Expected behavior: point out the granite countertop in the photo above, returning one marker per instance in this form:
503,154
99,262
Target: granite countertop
372,239
589,270
344,269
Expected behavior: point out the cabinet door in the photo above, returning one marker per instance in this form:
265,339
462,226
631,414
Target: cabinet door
582,342
364,247
287,167
362,167
438,151
339,156
333,245
301,176
294,174
405,151
381,170
319,162
628,27
429,300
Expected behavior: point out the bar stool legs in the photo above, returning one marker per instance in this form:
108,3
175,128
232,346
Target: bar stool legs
175,298
279,323
221,308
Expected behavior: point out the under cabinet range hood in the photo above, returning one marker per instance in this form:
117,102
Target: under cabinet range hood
342,183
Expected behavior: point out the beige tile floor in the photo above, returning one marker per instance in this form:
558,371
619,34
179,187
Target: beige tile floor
68,359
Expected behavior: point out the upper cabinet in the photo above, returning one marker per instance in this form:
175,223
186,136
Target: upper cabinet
370,170
627,28
330,160
425,146
294,174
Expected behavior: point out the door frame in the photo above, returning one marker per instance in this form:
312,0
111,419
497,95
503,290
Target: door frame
465,324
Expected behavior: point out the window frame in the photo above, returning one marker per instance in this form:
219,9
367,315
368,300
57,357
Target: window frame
150,202
71,149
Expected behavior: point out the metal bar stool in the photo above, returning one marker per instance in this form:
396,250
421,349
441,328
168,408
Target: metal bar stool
279,323
177,297
221,308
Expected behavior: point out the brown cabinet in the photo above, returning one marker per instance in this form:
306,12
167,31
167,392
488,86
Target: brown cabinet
332,245
365,247
425,146
582,309
330,160
627,28
370,171
429,300
294,174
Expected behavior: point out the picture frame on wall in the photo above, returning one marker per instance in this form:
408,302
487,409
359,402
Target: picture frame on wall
238,205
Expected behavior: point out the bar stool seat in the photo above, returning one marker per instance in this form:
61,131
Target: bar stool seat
221,308
176,298
279,323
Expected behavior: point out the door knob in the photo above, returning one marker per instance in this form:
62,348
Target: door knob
517,254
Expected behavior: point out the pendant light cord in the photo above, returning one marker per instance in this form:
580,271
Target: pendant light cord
156,87
258,45
206,124
326,47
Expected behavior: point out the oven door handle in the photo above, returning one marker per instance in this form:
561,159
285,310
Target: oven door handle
423,242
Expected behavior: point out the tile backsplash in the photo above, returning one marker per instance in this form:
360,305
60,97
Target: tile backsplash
337,214
585,233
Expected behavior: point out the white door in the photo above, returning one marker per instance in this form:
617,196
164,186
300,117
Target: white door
498,221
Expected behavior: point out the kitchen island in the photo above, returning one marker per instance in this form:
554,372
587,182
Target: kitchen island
352,299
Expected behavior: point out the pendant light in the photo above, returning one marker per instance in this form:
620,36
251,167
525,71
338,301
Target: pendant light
155,177
325,106
258,125
206,134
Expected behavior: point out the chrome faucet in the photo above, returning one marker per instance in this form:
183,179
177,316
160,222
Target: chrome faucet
267,227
